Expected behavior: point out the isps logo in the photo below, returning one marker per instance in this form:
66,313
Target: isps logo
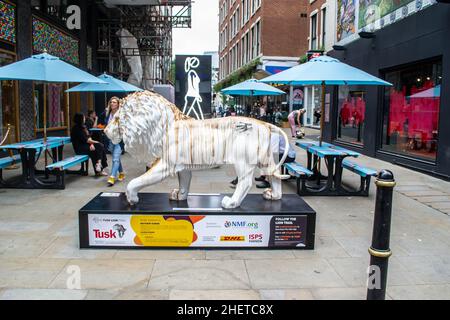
256,237
241,224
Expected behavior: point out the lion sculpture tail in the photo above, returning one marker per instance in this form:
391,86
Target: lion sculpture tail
276,172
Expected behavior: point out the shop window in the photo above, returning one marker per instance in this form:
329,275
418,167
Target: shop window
351,114
56,106
411,110
8,103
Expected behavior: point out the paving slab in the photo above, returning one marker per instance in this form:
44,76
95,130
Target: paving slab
176,294
298,273
29,272
249,254
43,294
160,254
286,294
199,275
107,274
354,271
419,292
359,293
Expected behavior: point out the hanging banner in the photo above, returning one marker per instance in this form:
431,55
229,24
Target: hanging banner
346,19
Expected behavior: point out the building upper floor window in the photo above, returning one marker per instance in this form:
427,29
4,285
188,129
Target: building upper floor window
313,34
324,27
255,5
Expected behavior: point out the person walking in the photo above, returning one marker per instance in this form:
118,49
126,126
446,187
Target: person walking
294,121
117,172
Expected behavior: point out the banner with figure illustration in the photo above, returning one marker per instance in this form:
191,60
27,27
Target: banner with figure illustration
354,16
346,18
370,11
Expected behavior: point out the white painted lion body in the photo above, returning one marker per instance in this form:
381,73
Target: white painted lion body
155,132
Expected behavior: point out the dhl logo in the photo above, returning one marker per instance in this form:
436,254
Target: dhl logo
232,238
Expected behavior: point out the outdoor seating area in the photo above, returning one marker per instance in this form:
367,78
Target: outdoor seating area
311,181
28,155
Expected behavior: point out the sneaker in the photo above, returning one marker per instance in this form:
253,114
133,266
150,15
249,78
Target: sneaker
260,179
98,167
263,185
121,176
111,181
234,182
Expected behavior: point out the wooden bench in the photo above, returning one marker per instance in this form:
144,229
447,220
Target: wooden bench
7,162
61,167
301,173
363,172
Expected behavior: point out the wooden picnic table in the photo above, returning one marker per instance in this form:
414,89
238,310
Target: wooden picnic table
30,152
333,157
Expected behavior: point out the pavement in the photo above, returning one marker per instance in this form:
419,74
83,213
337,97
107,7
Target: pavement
39,246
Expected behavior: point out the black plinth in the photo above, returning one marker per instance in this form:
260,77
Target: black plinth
109,222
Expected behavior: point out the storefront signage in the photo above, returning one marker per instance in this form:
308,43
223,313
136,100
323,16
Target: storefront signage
196,231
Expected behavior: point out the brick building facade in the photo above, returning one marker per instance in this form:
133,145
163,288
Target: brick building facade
275,32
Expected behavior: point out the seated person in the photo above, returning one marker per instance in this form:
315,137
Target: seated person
290,158
84,145
91,120
317,115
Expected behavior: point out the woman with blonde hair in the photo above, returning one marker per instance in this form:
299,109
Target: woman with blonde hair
117,172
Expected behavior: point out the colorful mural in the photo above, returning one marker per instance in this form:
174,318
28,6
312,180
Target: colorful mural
7,22
346,19
373,10
46,37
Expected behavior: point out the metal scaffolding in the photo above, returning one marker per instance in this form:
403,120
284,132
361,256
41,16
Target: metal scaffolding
149,25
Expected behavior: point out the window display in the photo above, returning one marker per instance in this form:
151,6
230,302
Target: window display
411,110
7,102
351,114
56,109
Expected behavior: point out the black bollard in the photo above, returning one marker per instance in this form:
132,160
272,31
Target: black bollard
379,250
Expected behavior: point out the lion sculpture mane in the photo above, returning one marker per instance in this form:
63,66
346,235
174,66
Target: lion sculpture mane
156,132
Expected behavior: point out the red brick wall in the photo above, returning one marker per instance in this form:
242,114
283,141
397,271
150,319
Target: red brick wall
284,31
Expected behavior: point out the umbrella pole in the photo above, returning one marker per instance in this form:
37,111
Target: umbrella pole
45,122
45,112
322,113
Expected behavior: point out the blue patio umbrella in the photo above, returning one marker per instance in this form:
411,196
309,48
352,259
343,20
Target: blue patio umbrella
110,84
252,87
324,71
46,68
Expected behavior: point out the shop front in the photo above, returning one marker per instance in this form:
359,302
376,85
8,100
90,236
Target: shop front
408,123
8,89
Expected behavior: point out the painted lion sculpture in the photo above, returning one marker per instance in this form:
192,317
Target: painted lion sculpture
156,132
